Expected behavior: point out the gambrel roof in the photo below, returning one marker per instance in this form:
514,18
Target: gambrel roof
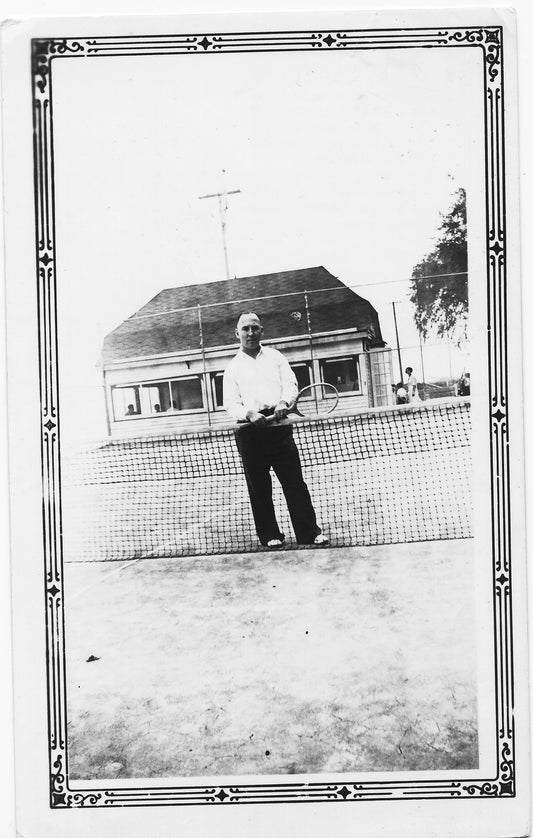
169,322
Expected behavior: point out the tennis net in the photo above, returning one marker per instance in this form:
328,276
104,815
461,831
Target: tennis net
379,477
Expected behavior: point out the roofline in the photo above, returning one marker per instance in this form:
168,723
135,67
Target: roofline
225,347
341,287
248,276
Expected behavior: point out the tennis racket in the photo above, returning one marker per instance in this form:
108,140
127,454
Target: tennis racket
314,400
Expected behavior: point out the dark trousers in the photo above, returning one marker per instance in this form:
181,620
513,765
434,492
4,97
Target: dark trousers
262,449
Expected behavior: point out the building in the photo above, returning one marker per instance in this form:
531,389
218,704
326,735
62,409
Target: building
163,366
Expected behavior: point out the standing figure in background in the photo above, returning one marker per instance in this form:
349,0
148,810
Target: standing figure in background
463,387
259,383
411,386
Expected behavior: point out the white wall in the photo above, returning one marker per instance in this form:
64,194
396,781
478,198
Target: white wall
144,371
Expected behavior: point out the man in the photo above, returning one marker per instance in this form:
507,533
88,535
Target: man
259,383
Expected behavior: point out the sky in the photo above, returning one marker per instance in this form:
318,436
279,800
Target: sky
342,159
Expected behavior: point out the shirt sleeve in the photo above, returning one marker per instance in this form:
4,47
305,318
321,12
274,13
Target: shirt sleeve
289,384
232,398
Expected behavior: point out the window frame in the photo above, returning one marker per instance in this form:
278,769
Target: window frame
125,417
309,366
213,374
355,359
152,383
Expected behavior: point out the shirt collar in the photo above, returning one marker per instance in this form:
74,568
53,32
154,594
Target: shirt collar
245,354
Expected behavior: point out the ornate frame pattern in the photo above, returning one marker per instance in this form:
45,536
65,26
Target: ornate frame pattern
44,52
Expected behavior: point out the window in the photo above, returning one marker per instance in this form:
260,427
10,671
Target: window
302,371
187,394
126,402
157,397
217,388
343,373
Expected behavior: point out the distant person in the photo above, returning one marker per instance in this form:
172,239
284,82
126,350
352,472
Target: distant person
412,386
401,393
463,388
259,383
157,408
131,410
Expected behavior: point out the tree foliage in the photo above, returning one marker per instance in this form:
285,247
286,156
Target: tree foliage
441,302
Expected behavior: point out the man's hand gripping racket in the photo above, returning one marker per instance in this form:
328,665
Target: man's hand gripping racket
313,400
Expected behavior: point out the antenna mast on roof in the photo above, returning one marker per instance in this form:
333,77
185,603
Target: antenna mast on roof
223,208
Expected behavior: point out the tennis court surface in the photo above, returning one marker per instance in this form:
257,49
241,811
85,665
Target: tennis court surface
309,661
191,653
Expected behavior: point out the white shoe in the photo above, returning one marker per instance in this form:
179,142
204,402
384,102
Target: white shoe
321,540
275,543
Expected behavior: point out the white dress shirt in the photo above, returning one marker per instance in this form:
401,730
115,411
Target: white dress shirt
258,383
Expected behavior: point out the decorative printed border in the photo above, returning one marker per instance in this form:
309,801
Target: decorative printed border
490,41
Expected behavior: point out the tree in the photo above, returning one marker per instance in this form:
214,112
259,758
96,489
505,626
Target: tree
441,302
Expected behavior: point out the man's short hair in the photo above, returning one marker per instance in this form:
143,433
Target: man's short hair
249,314
408,369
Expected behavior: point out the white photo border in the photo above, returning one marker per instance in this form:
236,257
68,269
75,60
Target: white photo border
490,41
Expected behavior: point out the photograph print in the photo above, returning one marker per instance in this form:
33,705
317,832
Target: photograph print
276,548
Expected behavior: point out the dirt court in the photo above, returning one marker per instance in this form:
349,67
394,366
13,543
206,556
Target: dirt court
310,661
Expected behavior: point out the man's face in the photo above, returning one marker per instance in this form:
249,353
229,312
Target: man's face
249,331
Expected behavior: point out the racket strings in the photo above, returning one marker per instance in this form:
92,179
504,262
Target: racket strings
321,398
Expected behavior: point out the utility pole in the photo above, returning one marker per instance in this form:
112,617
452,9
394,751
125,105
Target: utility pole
223,208
397,341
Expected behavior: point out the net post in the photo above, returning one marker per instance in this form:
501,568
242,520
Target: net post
422,364
202,348
310,333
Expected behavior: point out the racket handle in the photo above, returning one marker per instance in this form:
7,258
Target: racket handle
272,418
